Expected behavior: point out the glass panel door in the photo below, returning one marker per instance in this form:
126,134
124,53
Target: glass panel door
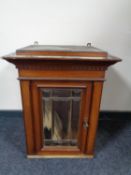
61,114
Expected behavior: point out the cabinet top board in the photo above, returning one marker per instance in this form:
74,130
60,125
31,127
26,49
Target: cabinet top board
61,52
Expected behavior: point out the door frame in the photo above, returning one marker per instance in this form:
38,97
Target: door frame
36,86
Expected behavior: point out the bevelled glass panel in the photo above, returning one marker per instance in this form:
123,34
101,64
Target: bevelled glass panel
61,113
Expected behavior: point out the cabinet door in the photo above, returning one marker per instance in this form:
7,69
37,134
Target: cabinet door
61,112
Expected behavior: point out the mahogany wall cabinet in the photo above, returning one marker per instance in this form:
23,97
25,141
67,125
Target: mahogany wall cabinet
61,89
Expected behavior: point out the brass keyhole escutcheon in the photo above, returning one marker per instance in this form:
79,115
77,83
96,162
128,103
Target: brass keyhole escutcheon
85,124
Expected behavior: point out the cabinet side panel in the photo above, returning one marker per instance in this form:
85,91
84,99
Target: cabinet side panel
27,111
94,115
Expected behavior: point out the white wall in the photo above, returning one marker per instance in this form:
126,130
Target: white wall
105,23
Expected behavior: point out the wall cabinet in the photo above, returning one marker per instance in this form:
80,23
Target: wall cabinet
61,89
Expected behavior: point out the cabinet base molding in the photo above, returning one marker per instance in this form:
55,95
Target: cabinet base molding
59,156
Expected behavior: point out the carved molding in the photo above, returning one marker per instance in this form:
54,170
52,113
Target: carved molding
61,67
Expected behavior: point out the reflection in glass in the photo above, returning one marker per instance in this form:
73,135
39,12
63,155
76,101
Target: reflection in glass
61,110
